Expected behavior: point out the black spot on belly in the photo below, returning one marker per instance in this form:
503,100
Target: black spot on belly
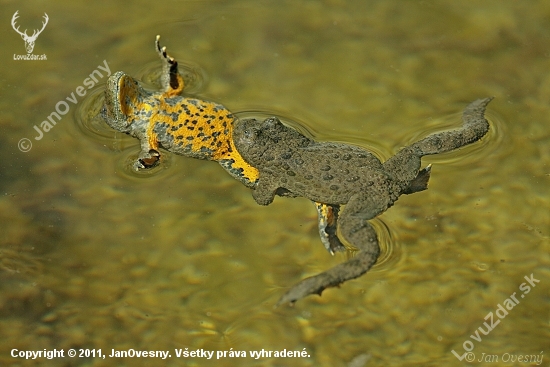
327,177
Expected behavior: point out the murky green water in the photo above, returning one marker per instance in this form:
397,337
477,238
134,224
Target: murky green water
93,257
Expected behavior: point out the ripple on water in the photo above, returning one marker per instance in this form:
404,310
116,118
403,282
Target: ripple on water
194,77
125,165
390,250
89,121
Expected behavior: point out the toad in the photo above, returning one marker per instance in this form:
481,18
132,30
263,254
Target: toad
334,175
187,126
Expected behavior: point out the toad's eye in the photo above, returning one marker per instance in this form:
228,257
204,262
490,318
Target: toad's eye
250,133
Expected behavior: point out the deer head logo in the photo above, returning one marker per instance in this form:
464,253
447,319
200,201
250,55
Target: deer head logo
29,40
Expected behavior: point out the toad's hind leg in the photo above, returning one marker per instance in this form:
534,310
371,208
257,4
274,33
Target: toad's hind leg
474,127
359,233
404,166
172,82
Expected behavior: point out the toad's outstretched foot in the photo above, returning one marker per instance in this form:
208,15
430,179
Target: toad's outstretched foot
172,82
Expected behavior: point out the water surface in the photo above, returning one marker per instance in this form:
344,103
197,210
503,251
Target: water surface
94,257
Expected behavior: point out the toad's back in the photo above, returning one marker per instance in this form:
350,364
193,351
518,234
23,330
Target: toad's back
323,172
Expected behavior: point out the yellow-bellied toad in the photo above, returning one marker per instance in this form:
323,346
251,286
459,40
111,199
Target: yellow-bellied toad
181,125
